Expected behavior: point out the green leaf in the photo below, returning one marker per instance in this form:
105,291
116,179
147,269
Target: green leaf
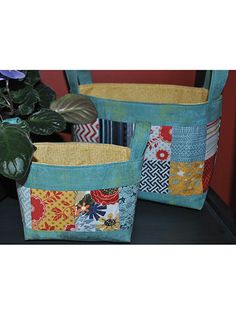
75,109
2,100
27,96
2,89
46,122
24,126
32,77
46,95
26,109
16,151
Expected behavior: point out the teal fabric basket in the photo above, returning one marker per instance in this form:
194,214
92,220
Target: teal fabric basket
185,121
94,202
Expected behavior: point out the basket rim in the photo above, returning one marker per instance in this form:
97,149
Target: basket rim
152,85
117,149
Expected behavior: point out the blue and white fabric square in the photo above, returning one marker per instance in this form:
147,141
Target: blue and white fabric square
188,143
155,176
127,201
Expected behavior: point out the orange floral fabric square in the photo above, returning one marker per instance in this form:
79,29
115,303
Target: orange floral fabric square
53,210
186,178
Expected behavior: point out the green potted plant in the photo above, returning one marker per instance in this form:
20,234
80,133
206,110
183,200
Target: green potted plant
24,109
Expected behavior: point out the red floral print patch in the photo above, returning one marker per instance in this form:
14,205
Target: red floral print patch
166,133
159,144
162,154
47,227
38,208
70,227
208,171
105,197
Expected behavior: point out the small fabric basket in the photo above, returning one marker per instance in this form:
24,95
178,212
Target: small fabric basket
83,192
185,121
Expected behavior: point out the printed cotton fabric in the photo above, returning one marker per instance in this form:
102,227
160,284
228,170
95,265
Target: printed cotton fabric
92,211
86,133
180,160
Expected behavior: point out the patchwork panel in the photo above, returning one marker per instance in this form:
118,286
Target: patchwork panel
186,178
212,138
75,211
188,144
159,144
155,176
81,211
179,153
208,171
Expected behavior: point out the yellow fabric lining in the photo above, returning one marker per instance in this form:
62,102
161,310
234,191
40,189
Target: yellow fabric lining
75,154
147,93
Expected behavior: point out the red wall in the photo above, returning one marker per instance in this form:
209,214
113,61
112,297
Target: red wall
224,178
56,80
131,76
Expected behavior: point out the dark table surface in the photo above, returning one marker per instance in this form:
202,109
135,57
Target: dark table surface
154,224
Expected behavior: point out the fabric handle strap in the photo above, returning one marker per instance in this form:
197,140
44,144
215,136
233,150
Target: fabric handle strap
84,77
72,80
76,78
215,81
139,140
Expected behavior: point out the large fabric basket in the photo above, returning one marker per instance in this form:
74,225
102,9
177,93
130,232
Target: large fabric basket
83,192
180,156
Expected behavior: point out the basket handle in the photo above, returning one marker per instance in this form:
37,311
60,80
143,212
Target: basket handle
78,77
215,81
139,140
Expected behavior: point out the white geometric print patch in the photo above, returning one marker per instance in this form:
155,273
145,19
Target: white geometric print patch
212,138
155,176
86,133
